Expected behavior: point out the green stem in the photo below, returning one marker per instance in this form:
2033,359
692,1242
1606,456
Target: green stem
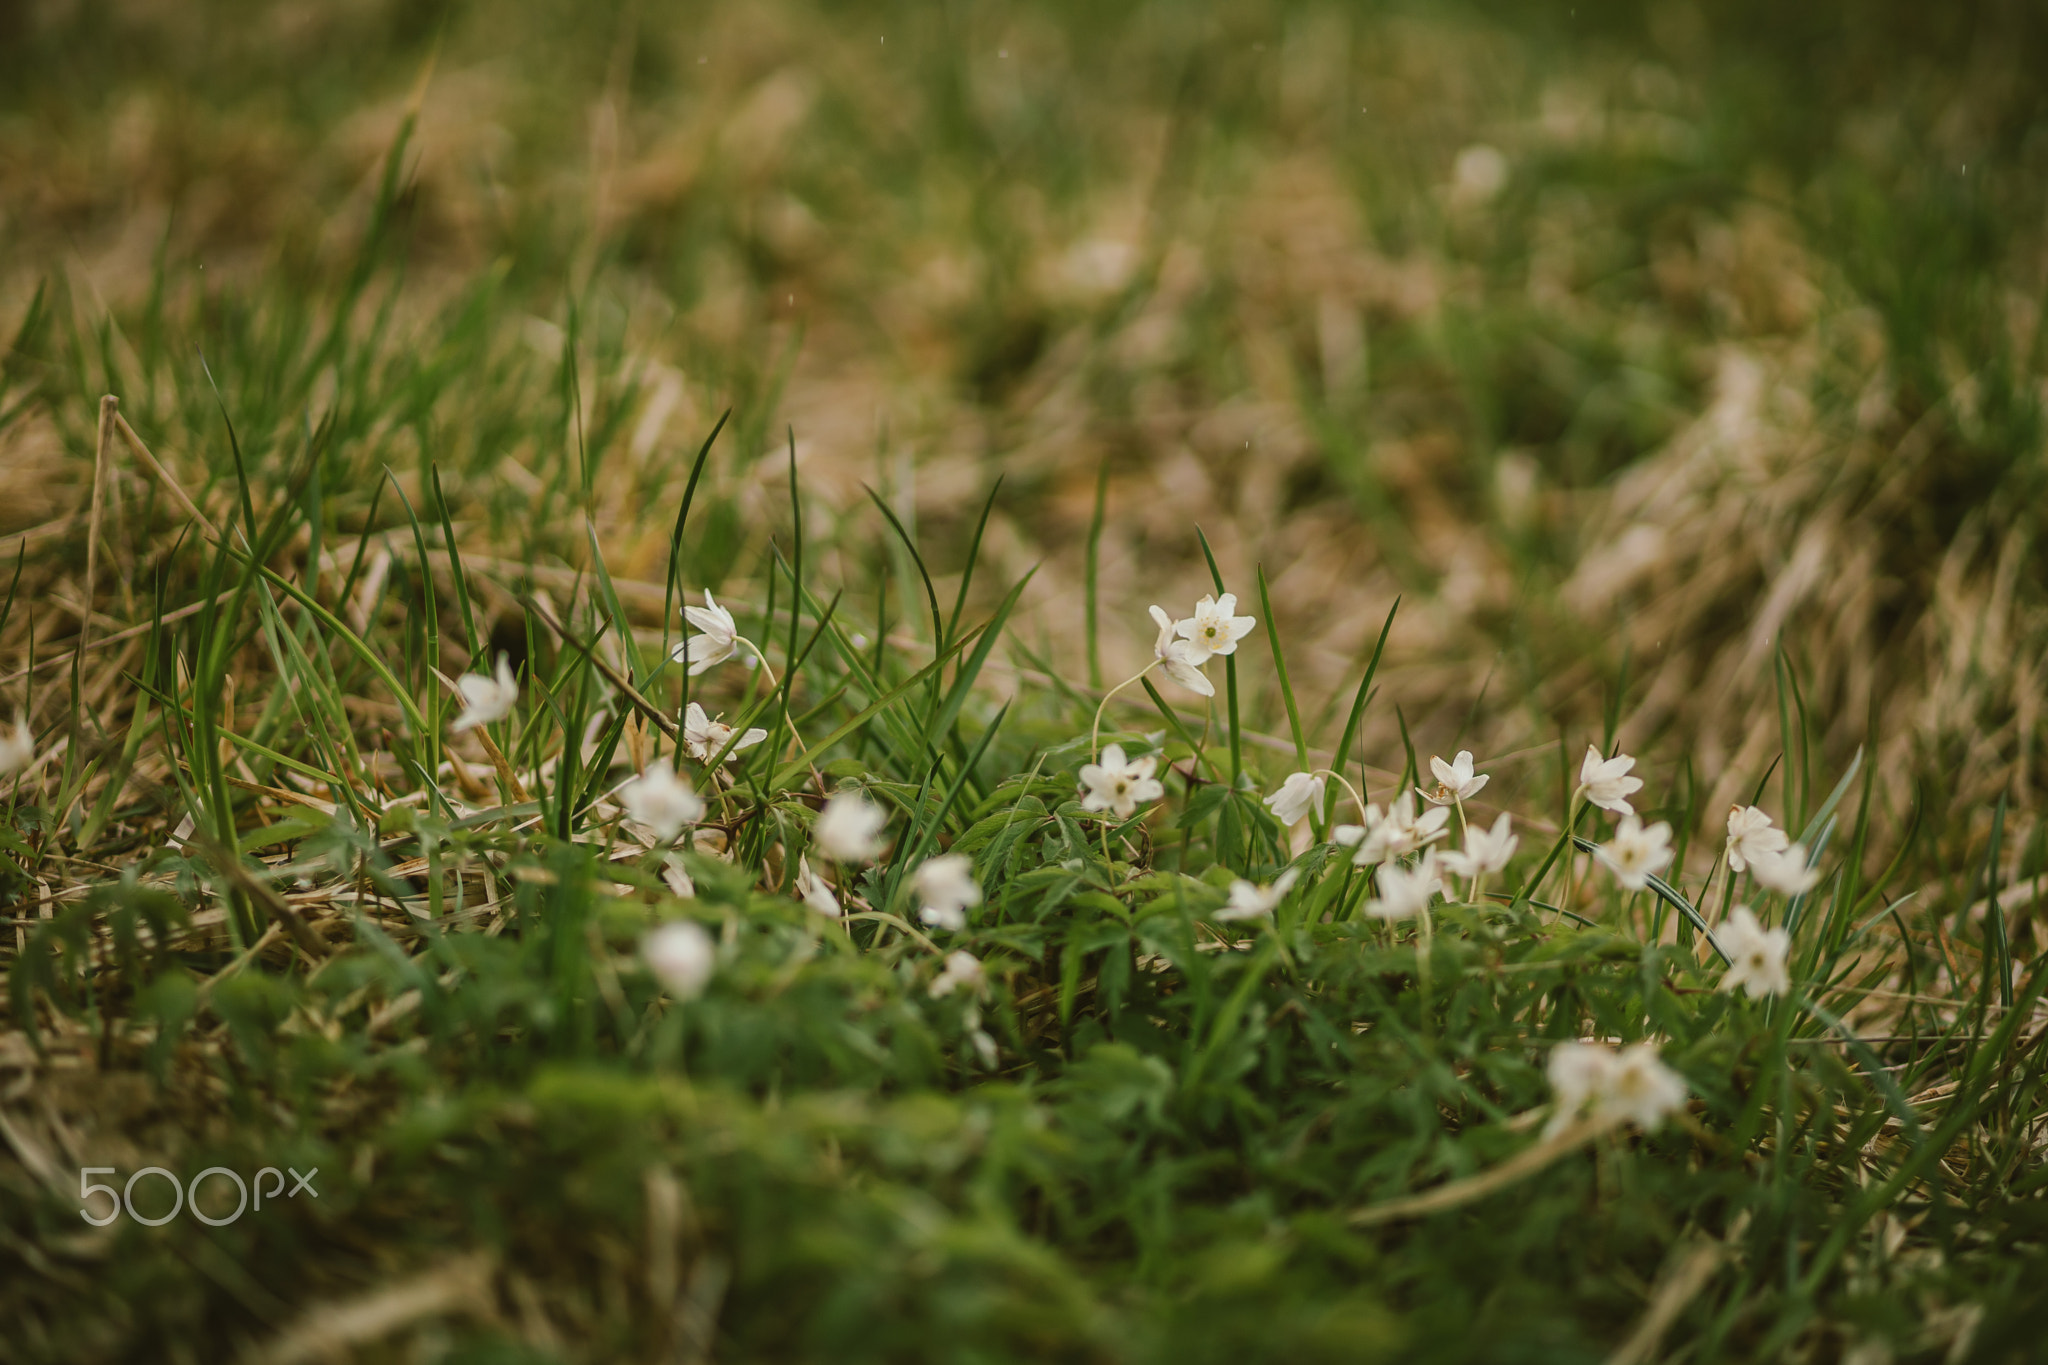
1095,730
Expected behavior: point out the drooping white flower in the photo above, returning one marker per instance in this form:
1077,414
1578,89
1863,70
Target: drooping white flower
849,828
1405,891
1636,854
1215,626
486,700
1634,1085
17,750
1784,872
1605,781
704,736
1750,832
1396,831
1454,780
947,887
1298,798
681,956
813,891
1486,851
1180,660
1249,902
662,801
1118,784
1756,955
717,640
963,971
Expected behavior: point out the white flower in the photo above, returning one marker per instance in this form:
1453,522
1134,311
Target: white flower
1636,854
703,736
1750,833
947,887
849,828
1785,873
1297,799
1118,784
1606,783
1577,1071
1249,902
681,956
1640,1088
1633,1085
1214,627
1181,660
17,750
1405,891
662,801
486,700
1756,955
1395,831
1485,851
1454,780
812,890
962,969
718,641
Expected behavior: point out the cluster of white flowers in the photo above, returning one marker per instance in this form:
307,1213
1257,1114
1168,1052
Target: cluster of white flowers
1399,841
1634,854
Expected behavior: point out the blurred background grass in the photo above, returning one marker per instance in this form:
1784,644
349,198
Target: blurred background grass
1624,341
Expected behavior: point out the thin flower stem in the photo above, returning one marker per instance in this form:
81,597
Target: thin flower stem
772,686
894,922
1349,790
1423,942
1095,730
766,667
1571,853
